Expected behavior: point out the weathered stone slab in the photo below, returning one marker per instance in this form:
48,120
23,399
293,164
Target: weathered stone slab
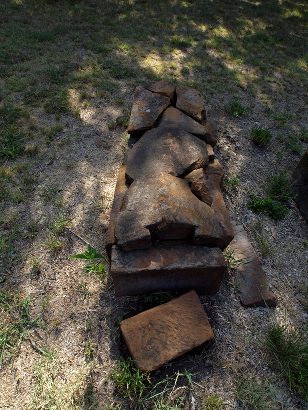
251,279
191,102
163,333
173,117
300,178
214,175
210,133
168,150
161,268
198,185
119,194
163,208
147,108
163,88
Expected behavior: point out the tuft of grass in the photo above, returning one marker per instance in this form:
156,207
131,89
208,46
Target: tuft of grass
261,240
256,395
212,402
232,261
96,261
232,182
303,135
268,206
130,381
57,103
54,243
261,136
235,108
280,187
290,353
57,227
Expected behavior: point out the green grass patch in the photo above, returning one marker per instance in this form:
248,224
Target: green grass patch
290,354
232,182
96,262
268,206
235,108
212,402
280,187
254,394
261,136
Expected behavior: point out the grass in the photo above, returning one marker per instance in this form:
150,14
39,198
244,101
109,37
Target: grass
261,136
289,351
232,261
95,261
235,108
254,394
274,209
212,402
232,182
280,187
130,381
262,242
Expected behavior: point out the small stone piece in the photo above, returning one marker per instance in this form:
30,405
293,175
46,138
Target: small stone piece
119,194
198,185
163,208
176,118
167,268
191,102
168,150
300,178
163,333
163,88
251,280
147,108
210,152
214,174
210,133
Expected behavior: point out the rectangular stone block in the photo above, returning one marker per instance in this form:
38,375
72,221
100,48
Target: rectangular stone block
167,268
161,334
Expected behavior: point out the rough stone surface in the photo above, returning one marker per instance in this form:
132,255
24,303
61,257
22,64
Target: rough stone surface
147,108
163,208
251,279
168,150
163,88
119,194
167,268
176,118
191,102
198,185
210,152
163,333
210,133
214,175
300,178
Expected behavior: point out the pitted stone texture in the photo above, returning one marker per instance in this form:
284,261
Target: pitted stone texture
163,88
119,195
214,175
163,333
300,178
147,108
191,102
176,118
198,185
251,279
167,150
163,208
162,268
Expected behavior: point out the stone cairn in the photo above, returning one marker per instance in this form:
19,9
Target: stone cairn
169,224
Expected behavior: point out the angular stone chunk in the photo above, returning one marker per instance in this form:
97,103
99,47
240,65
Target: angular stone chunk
191,102
251,280
214,175
198,185
300,178
163,333
210,133
167,268
119,194
163,88
168,150
210,152
176,118
147,108
163,208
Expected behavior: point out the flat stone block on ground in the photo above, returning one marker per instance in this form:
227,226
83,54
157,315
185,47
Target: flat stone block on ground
191,102
167,268
163,88
251,279
161,334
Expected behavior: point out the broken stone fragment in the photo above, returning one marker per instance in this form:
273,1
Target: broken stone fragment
163,333
210,133
176,118
251,280
163,88
210,152
163,208
191,102
147,108
168,150
198,185
300,178
162,268
214,175
119,194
